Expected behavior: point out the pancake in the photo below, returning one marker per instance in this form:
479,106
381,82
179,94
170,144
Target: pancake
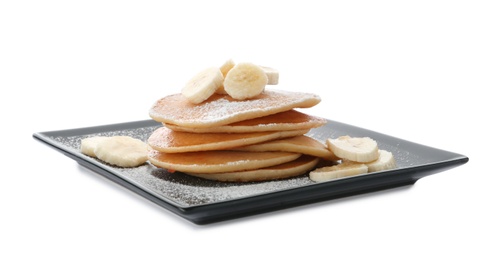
210,162
282,121
221,110
298,144
286,170
169,141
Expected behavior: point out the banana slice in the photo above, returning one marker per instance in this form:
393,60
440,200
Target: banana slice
345,169
245,80
386,161
356,149
228,65
203,85
272,75
122,151
89,144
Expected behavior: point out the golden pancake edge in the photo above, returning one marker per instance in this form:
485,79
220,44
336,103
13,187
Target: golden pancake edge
282,121
169,141
281,171
298,144
209,162
221,110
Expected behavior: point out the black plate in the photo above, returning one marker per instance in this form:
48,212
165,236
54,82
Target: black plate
205,201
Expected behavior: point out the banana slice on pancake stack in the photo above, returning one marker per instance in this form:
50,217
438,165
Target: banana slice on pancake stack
225,126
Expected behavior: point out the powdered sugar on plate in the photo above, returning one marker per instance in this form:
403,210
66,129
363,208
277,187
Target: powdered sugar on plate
178,188
187,191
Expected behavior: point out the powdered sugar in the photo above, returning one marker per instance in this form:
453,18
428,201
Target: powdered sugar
221,109
178,188
187,191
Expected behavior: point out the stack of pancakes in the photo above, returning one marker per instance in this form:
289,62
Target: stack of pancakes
223,139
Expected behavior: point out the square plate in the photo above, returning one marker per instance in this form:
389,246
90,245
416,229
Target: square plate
204,201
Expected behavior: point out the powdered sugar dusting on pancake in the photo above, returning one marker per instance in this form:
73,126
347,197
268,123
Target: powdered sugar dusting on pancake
282,121
222,109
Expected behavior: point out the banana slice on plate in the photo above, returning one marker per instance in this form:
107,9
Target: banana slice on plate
386,161
348,168
356,149
245,80
203,85
122,151
89,144
345,169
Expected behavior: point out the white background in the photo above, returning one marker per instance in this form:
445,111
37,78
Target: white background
426,71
